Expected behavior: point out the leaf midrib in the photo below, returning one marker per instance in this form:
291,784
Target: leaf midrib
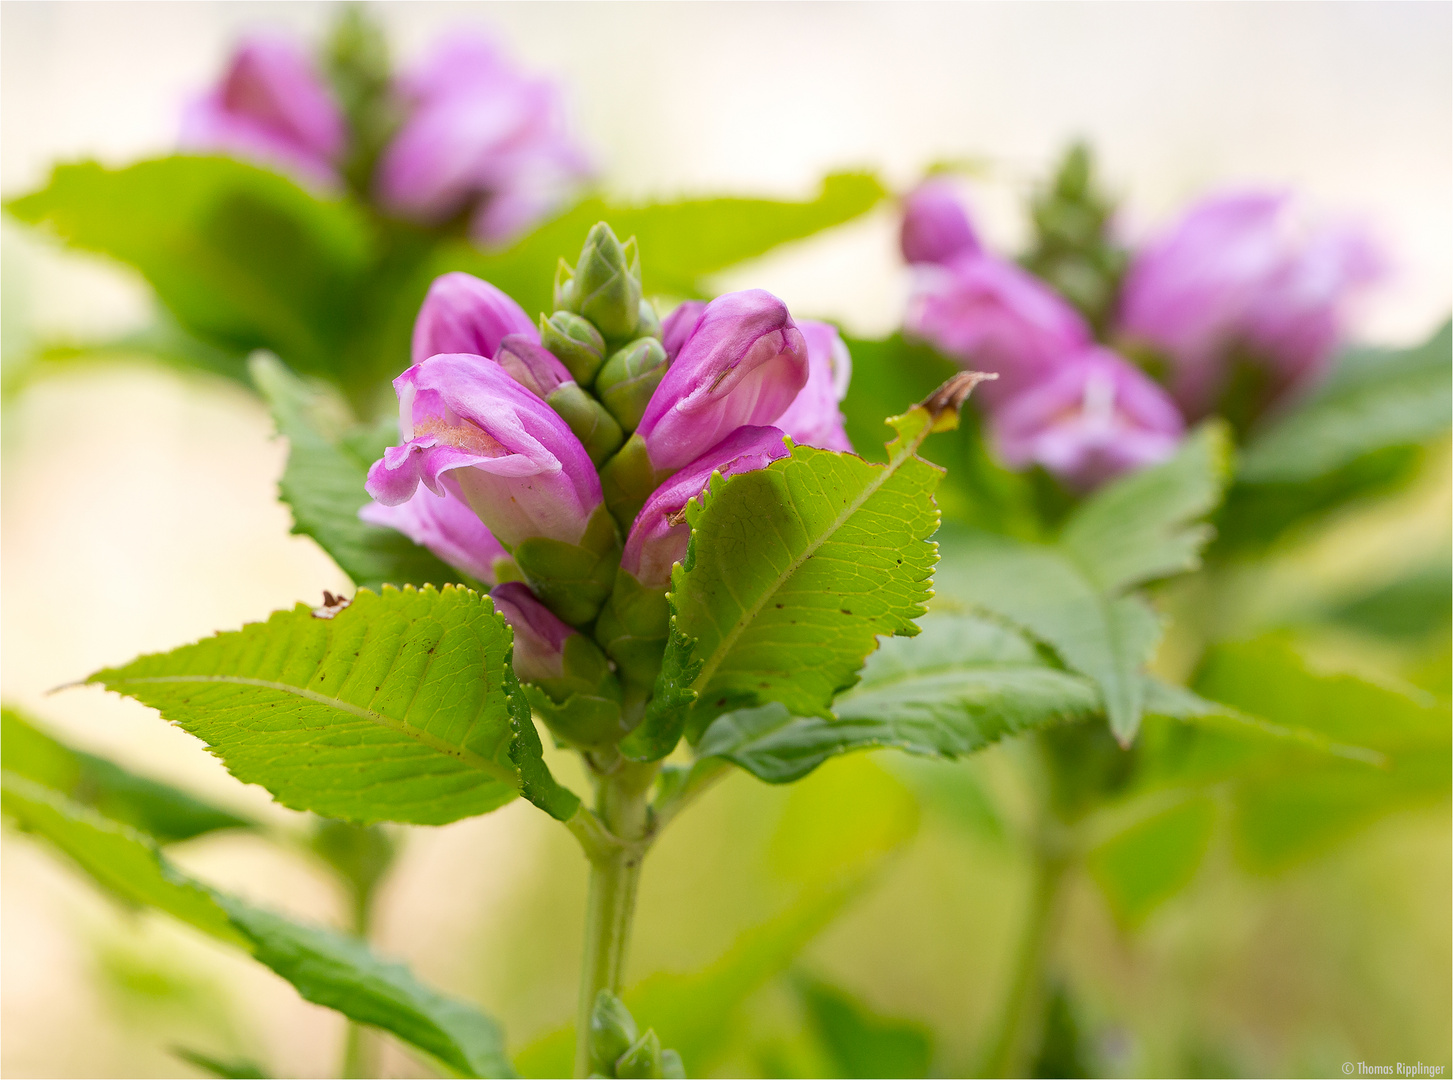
433,742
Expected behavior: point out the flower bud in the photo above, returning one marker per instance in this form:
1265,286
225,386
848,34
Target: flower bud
531,364
642,1059
578,694
564,291
273,108
634,621
629,378
576,342
607,285
680,325
612,1031
989,314
813,418
1096,417
447,527
649,323
462,314
935,225
517,464
592,423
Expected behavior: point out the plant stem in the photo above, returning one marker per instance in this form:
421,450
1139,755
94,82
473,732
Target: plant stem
615,872
1020,1022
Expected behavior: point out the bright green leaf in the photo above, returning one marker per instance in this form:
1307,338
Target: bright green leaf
226,1069
157,809
961,685
325,967
394,709
323,484
1151,860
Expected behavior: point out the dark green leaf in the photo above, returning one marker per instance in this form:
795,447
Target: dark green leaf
394,709
858,1042
1411,606
148,805
227,1069
325,967
961,685
328,462
528,755
242,257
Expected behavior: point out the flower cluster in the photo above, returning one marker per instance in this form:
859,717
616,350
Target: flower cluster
554,460
472,135
1236,306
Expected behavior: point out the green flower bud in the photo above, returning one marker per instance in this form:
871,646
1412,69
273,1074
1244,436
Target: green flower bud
649,324
564,286
573,580
607,284
671,1066
596,428
627,481
629,378
642,1059
576,344
632,627
612,1032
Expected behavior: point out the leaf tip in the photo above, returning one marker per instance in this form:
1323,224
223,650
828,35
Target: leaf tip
943,404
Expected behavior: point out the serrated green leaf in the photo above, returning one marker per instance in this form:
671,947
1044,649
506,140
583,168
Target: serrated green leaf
157,809
325,967
1374,399
394,709
323,484
858,1042
961,685
1143,865
528,755
1150,524
796,569
242,257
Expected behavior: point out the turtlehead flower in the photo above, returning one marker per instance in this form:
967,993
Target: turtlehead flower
539,636
680,325
935,225
271,108
743,365
480,137
516,462
1244,276
462,314
660,533
990,314
531,364
813,418
1096,417
445,525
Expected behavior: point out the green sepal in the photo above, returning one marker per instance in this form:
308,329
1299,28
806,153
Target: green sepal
593,425
573,580
583,706
608,283
642,1059
627,481
575,342
649,323
629,378
665,719
527,753
632,627
612,1032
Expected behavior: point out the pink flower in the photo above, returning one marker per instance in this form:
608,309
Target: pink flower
935,225
446,526
271,108
517,464
1094,418
660,534
813,418
989,314
742,365
540,637
680,325
462,314
1244,275
481,137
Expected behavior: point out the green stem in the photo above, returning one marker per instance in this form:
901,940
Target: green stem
1020,1022
615,873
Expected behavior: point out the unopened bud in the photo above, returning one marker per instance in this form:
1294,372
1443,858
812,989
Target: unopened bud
564,286
629,378
612,1032
649,324
575,342
642,1058
596,428
607,285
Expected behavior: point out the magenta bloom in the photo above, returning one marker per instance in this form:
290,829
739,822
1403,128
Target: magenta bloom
988,313
446,526
516,462
743,364
1096,417
540,637
1242,275
813,418
271,108
659,537
680,325
935,225
531,365
462,314
482,137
